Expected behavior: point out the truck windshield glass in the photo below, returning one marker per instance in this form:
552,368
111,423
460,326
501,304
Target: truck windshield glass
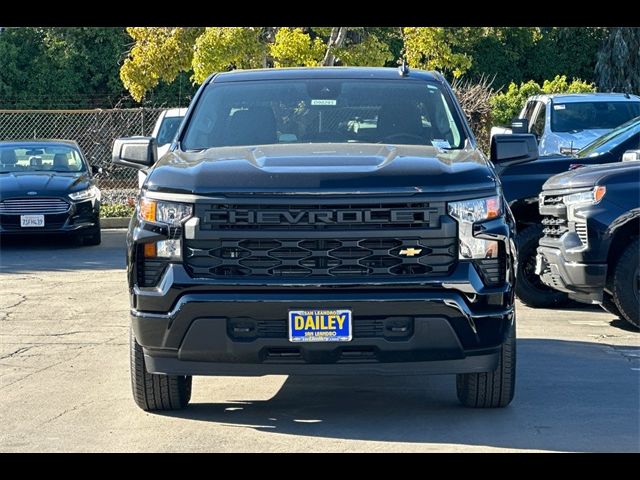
612,139
574,117
324,110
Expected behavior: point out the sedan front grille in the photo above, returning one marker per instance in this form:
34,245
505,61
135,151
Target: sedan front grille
319,257
26,206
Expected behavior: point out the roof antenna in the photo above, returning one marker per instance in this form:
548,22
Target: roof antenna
403,69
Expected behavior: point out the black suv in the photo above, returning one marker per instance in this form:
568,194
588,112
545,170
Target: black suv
322,221
590,245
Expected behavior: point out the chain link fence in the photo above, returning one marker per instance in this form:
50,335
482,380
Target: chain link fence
94,130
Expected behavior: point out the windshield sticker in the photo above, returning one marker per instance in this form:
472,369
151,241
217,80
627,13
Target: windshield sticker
559,107
441,144
324,101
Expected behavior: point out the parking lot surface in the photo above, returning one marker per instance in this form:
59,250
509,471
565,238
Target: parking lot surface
64,380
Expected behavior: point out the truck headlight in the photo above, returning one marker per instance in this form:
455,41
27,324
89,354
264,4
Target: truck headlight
581,199
468,212
88,194
168,213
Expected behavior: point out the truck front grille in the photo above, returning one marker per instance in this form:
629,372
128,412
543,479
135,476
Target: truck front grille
309,257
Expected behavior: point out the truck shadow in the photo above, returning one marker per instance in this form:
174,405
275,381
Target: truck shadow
37,253
570,397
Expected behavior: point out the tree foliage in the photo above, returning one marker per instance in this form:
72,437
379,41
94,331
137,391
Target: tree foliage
618,66
160,54
434,48
507,105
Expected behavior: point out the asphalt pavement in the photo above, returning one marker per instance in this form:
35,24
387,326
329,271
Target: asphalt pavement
64,380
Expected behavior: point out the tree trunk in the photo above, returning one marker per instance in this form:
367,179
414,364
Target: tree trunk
338,35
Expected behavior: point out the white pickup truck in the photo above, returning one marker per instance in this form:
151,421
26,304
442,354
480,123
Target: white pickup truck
564,123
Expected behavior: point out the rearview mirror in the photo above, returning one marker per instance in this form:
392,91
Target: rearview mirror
514,148
631,155
135,152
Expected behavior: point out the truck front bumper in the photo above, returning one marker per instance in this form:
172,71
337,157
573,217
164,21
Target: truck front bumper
583,282
412,332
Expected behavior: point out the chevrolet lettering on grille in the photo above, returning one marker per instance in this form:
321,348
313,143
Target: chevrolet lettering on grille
312,217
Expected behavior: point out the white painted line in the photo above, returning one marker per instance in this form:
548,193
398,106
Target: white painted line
593,323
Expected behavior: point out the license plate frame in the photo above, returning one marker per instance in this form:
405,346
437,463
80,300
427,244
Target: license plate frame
328,325
31,221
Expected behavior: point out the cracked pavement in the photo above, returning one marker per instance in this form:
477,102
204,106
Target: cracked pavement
64,380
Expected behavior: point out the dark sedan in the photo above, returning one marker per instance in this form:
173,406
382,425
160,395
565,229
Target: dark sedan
46,186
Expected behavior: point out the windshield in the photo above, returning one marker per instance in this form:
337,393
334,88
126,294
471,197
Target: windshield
37,158
324,110
574,117
168,129
610,140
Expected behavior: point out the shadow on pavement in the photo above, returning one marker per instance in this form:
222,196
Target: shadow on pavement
37,253
560,386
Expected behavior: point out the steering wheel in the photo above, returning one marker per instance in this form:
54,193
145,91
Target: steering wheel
392,138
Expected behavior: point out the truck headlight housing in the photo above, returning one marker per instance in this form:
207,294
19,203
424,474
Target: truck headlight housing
167,213
468,212
581,199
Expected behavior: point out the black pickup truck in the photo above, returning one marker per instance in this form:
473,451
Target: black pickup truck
522,183
322,221
591,243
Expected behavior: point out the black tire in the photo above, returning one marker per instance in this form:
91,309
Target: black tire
529,287
491,389
626,284
153,392
610,306
94,237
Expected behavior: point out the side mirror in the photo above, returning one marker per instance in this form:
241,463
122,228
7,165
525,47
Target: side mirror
136,152
95,169
520,125
631,156
511,149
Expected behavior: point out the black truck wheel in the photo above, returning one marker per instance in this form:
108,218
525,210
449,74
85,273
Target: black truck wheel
156,392
626,284
610,306
529,287
491,389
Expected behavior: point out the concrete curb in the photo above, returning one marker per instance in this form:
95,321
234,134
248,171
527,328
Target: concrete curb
114,222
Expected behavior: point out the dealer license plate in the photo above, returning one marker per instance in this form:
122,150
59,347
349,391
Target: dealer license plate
320,325
31,221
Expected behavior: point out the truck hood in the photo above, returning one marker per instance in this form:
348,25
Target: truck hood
321,168
591,176
17,184
579,139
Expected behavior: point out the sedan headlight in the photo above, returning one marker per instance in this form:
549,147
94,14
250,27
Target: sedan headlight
468,212
89,193
168,213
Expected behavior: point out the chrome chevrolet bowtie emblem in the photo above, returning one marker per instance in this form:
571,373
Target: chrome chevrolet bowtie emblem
410,252
32,193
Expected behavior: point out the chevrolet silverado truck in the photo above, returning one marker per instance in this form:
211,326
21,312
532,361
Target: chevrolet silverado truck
522,184
591,237
322,221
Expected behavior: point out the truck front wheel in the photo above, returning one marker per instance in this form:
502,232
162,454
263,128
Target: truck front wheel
153,392
626,284
491,389
529,287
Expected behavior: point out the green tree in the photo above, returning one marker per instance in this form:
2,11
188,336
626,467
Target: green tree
434,48
618,66
160,54
60,67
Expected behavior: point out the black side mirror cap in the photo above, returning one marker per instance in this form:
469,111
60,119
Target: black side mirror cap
514,148
135,152
520,125
96,169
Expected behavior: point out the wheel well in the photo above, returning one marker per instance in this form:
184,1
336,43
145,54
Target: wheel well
621,238
526,213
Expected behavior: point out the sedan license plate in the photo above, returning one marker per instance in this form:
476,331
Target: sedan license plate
27,221
320,325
